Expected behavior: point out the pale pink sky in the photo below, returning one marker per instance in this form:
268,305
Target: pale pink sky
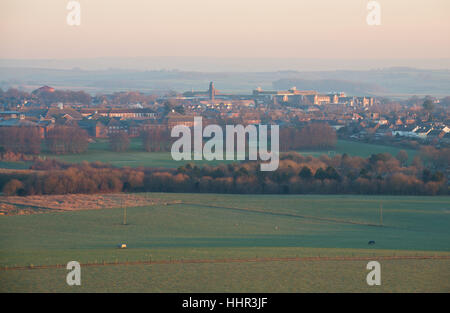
225,28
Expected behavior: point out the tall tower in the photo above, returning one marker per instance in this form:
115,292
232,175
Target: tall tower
211,91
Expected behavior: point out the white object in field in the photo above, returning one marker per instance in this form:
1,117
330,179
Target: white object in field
123,246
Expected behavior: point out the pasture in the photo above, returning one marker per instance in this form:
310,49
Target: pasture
229,227
136,156
308,276
361,149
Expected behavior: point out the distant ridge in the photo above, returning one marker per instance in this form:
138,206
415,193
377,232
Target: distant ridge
400,82
224,64
330,85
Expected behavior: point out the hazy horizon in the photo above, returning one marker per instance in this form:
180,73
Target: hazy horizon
217,64
230,37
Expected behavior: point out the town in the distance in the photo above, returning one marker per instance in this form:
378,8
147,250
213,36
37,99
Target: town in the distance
56,141
406,123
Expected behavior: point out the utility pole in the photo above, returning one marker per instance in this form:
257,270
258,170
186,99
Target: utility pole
381,213
124,214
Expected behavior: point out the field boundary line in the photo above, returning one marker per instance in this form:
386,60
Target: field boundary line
231,260
251,210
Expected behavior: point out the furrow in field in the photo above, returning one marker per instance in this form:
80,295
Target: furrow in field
251,210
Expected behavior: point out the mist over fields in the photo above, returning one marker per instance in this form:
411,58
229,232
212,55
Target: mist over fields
158,75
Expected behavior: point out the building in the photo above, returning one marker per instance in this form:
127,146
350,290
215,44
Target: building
211,91
137,113
210,94
174,119
43,126
299,97
10,114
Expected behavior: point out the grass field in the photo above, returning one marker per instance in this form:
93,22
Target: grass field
310,276
15,165
212,227
136,157
361,149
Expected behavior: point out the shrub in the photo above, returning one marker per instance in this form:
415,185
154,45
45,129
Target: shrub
13,188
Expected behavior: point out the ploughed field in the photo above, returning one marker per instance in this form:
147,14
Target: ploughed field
229,243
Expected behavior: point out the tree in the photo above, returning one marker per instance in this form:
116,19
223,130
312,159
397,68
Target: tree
417,162
305,173
315,135
320,174
438,177
332,173
428,105
67,139
21,139
426,175
445,101
170,105
180,109
48,97
13,187
402,157
119,142
155,140
374,158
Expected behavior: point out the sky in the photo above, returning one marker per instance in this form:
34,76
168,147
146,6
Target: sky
323,29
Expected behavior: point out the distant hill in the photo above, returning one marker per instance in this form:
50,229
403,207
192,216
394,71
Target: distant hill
401,82
330,85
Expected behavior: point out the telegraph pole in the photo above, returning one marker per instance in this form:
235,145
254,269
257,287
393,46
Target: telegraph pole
124,214
381,213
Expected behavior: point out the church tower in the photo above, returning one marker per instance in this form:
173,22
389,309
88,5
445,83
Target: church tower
211,91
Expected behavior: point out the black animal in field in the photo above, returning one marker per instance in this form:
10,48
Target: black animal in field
371,243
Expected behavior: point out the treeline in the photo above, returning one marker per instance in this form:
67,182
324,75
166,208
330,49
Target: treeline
157,140
28,140
297,174
313,136
127,97
67,139
64,139
64,96
20,140
14,96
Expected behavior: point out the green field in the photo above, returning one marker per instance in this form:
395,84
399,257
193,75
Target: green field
136,156
309,276
211,227
15,165
360,149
